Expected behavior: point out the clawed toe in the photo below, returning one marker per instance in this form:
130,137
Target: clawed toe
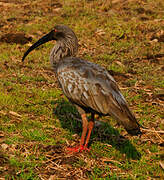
77,149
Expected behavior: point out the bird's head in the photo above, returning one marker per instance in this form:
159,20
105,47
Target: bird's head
60,33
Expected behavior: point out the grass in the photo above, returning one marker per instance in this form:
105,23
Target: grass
37,122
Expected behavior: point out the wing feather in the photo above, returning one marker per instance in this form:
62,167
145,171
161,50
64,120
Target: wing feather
90,86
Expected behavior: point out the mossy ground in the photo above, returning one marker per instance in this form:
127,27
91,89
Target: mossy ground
37,122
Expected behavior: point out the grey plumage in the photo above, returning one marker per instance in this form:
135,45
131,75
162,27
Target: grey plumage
87,85
93,89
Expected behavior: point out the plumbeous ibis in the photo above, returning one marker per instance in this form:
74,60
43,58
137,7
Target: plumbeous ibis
87,85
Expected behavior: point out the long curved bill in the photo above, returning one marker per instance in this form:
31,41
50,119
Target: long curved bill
44,39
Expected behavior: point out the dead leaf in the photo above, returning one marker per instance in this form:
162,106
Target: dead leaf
2,178
110,160
14,114
100,32
3,113
119,63
29,44
162,164
4,146
4,4
1,134
52,177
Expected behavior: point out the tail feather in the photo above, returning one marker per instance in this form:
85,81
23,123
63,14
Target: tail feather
129,121
124,116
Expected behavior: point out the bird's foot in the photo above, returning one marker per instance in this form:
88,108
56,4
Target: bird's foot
84,148
77,149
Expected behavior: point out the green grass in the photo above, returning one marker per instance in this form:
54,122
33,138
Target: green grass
37,123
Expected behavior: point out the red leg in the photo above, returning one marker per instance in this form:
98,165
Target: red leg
90,127
85,128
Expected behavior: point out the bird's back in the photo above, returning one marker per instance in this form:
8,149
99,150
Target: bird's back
92,88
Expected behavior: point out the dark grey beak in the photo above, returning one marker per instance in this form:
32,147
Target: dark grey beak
44,39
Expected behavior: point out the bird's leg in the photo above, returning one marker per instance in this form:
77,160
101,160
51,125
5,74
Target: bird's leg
85,128
90,127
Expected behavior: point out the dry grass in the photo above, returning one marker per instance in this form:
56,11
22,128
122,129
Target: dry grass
36,121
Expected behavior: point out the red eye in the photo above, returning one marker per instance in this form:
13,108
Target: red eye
55,30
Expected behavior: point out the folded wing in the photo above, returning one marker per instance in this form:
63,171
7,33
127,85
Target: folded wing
92,88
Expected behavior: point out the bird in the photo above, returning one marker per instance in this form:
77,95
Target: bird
87,85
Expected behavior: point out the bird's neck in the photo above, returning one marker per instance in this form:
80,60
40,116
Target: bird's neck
63,48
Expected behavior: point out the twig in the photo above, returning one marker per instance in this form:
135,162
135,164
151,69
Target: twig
158,136
110,160
52,159
150,130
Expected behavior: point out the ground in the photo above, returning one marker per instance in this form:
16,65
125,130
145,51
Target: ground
37,123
